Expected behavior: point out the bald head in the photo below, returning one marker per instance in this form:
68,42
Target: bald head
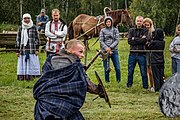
75,47
139,21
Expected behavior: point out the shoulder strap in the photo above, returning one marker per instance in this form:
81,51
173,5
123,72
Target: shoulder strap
50,25
114,33
63,22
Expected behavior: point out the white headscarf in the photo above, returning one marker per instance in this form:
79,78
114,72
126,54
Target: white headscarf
25,26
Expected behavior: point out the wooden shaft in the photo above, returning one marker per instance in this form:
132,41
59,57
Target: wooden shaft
89,30
92,61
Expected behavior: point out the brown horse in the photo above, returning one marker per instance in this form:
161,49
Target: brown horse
90,26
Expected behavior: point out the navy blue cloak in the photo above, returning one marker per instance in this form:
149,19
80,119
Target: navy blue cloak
60,93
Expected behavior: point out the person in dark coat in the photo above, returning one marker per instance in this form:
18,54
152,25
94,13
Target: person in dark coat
157,57
148,23
137,38
61,90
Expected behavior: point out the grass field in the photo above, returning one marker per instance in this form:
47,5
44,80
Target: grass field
135,103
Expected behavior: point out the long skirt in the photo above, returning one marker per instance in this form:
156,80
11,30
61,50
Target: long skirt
28,69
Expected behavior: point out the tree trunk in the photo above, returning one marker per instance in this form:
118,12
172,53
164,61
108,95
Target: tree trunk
21,2
67,7
91,7
126,4
43,4
110,3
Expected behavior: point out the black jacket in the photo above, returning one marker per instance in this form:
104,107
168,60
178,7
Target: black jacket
138,43
157,43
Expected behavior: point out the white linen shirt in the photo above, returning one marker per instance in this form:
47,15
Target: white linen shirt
54,37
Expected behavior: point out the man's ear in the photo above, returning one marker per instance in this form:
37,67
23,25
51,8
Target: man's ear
70,50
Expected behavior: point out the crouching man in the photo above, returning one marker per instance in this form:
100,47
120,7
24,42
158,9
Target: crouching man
61,90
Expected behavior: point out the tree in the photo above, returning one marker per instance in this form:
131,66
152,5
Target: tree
10,9
164,13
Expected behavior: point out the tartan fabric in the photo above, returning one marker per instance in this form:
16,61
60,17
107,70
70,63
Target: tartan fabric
47,65
60,93
33,41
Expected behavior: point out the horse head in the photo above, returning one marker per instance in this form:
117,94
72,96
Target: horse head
120,16
126,18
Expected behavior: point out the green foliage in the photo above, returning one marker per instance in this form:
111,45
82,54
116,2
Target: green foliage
8,27
163,13
10,9
17,102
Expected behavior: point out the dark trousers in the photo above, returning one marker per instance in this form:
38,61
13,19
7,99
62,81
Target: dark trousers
158,73
141,60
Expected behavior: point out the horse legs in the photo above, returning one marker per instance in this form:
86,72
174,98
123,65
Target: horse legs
77,30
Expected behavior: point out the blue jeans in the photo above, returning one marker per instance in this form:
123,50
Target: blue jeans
42,27
141,59
115,59
175,65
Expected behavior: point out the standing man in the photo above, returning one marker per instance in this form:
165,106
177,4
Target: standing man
61,90
41,20
137,39
55,31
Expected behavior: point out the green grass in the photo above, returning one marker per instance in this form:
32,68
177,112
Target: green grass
17,103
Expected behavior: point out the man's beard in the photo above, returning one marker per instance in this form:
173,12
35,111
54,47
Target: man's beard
56,20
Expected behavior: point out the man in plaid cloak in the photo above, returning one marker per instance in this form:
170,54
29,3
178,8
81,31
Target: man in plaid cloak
61,90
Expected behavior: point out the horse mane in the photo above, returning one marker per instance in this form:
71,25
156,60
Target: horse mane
115,13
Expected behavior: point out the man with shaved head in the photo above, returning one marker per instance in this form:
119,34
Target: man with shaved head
61,90
137,38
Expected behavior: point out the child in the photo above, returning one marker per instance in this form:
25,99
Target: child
175,51
109,39
157,57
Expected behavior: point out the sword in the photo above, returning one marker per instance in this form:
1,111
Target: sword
108,69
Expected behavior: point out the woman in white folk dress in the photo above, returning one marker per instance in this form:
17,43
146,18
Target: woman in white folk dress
27,43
